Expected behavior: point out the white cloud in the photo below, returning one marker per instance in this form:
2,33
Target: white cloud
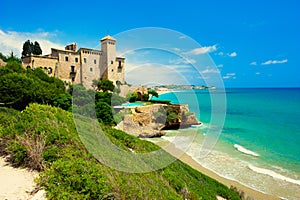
257,73
182,61
229,75
272,62
202,50
253,63
220,65
182,37
233,54
221,53
176,49
13,41
210,71
153,73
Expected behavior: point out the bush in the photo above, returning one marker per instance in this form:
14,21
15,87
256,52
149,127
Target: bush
161,101
104,113
132,97
75,179
18,87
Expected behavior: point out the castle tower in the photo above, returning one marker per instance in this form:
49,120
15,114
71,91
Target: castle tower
108,47
112,67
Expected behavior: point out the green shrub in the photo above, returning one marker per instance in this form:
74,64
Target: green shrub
75,179
160,101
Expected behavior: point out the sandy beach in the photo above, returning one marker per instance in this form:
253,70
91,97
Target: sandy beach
18,183
162,91
249,192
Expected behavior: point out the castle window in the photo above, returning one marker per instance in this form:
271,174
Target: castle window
119,69
84,60
120,63
28,67
66,58
76,59
91,69
95,61
73,79
112,70
111,62
72,68
49,70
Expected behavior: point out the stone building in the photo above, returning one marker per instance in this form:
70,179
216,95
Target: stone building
83,65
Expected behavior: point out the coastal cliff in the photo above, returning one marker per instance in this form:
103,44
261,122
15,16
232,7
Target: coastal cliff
152,120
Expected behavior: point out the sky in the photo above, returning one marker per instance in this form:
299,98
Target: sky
232,43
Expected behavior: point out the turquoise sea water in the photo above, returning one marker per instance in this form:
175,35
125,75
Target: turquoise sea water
259,145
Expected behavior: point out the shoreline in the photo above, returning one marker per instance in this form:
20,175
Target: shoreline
187,159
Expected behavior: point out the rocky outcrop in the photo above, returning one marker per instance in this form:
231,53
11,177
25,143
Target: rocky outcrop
150,121
2,63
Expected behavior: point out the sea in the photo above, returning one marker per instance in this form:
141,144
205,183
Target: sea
257,143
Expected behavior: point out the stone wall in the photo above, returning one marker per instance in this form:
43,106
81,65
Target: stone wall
47,63
68,66
91,61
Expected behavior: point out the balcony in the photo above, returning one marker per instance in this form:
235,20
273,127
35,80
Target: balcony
72,73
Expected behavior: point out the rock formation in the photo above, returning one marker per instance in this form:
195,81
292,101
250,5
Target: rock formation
151,120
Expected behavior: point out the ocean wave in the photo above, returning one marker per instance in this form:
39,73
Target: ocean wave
245,151
273,174
197,126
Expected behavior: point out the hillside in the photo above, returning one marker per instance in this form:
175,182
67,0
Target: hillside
44,138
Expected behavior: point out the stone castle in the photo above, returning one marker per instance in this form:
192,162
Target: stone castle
83,65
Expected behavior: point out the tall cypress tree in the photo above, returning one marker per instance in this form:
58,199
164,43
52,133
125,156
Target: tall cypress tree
27,48
37,49
30,48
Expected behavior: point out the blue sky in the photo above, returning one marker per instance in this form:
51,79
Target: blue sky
251,43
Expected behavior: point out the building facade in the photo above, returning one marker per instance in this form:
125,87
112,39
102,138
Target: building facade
83,65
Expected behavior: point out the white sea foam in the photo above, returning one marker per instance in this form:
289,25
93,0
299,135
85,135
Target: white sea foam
245,151
273,174
197,126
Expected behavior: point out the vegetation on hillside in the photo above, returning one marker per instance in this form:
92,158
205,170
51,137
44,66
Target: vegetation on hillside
45,138
19,87
10,58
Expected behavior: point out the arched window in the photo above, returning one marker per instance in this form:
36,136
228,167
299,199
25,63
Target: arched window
49,70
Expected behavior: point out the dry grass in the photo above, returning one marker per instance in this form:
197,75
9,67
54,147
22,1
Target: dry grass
34,145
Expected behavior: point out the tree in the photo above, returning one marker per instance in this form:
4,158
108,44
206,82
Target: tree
37,49
19,87
105,85
27,48
153,93
30,48
104,113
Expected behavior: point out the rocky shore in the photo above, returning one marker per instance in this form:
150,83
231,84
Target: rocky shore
151,120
